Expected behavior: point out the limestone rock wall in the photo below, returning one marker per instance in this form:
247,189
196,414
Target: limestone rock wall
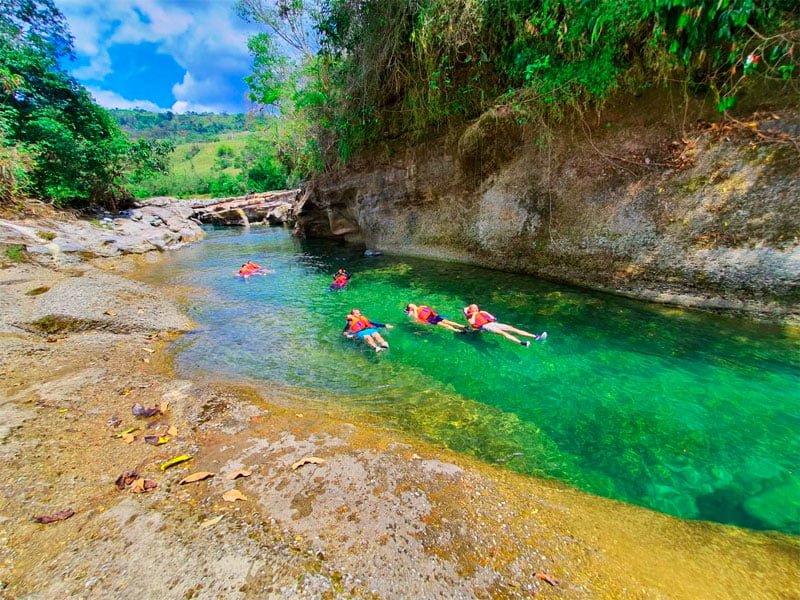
635,202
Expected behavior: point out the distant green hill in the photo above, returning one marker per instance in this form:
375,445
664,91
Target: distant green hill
186,127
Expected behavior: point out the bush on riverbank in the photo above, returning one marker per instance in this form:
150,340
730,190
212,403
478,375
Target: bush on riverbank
384,69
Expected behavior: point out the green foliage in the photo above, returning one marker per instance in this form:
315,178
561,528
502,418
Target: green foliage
15,253
385,68
55,142
190,127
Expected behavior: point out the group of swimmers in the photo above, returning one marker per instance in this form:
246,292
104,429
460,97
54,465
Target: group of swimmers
360,327
364,329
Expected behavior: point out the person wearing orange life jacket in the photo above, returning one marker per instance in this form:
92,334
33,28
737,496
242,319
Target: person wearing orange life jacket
425,314
362,328
484,321
340,279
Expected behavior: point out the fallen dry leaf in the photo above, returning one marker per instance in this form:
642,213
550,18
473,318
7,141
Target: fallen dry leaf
61,515
140,411
210,522
155,440
149,350
128,438
127,478
308,460
110,313
163,407
173,431
299,415
240,473
233,496
199,476
141,486
415,457
175,461
546,578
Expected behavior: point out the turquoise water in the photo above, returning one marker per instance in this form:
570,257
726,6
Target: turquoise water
687,413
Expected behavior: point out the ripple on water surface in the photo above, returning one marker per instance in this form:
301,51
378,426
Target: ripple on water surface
691,414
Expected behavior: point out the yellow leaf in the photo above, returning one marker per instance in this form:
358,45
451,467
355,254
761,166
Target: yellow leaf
240,473
175,461
210,522
199,476
308,460
233,496
150,350
128,438
126,432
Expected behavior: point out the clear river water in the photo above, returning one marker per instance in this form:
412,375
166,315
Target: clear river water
687,413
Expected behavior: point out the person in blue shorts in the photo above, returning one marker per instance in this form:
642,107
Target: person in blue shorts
361,327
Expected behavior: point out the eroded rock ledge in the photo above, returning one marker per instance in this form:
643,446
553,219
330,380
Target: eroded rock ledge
634,202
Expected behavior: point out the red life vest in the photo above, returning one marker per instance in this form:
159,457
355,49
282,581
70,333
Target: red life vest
340,281
424,313
481,318
358,323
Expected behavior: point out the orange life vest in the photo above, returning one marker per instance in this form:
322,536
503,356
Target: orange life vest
481,318
341,281
423,313
358,323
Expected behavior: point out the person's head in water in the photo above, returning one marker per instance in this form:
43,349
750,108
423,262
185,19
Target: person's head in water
410,308
355,312
472,308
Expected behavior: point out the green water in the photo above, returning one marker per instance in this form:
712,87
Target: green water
687,413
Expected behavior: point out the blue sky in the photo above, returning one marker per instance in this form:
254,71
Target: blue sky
179,55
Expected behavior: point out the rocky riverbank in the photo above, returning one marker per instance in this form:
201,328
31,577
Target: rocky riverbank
644,199
328,507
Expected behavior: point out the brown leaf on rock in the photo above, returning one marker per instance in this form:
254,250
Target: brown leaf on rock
163,407
149,350
233,496
141,486
173,431
546,578
110,313
308,460
236,474
199,476
128,438
61,515
127,478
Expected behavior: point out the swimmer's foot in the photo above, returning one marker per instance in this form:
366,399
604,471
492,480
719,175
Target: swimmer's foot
385,345
541,336
526,343
379,349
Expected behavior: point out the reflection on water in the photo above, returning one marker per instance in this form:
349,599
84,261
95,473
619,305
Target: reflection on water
690,414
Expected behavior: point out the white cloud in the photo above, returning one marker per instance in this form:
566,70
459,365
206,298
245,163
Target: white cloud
110,99
206,39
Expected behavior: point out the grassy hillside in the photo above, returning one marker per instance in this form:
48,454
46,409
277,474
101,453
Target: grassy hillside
209,157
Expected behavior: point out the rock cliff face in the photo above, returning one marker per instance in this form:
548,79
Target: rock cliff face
634,201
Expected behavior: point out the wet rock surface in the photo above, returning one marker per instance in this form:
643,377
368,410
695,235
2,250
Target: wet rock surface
160,224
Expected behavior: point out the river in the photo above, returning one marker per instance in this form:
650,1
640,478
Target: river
688,413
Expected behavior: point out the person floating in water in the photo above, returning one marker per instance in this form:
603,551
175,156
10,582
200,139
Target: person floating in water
427,315
362,328
484,321
340,280
251,268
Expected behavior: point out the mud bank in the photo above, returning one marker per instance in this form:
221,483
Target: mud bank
381,516
640,199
